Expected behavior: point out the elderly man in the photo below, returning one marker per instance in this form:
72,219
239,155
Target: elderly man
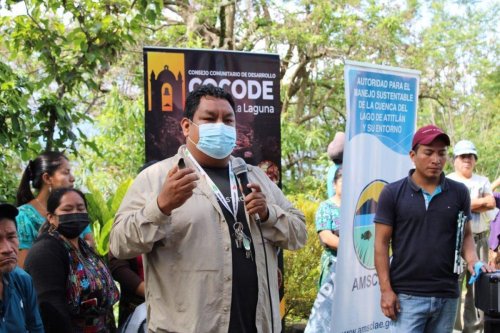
481,201
210,251
18,305
420,216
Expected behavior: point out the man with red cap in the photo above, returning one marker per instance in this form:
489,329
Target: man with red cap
421,217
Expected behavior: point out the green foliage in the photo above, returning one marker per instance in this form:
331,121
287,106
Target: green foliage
14,94
302,267
458,63
488,142
102,212
452,49
62,50
300,146
64,56
9,168
116,151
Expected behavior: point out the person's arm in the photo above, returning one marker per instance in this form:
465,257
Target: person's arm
480,205
388,301
48,265
282,224
139,291
385,219
32,314
26,235
87,236
469,251
495,184
122,272
144,214
324,221
486,201
329,239
492,257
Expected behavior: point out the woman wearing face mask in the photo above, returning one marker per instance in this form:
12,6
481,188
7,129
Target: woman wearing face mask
76,291
48,171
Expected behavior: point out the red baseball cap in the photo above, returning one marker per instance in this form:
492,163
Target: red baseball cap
428,134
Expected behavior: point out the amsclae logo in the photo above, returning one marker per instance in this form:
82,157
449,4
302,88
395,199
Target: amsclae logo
363,227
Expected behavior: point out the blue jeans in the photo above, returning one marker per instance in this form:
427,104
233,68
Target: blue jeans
421,314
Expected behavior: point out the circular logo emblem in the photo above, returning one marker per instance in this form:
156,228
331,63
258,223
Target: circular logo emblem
363,227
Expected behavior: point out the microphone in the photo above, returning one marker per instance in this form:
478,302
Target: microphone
240,170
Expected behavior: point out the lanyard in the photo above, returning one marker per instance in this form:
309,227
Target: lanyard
240,238
215,189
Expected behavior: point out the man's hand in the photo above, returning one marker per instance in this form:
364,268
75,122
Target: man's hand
485,268
255,202
492,258
483,204
389,303
177,188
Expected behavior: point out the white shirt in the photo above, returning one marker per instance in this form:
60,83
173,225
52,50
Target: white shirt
478,187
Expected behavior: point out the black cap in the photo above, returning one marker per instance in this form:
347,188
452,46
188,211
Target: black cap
8,211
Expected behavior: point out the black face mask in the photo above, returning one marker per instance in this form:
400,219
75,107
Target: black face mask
72,225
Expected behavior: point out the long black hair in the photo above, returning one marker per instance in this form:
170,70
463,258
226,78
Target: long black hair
47,162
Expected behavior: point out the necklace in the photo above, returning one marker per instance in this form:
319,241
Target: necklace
44,208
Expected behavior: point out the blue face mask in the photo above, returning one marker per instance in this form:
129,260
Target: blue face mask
216,140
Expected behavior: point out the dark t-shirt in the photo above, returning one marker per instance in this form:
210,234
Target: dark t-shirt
423,240
245,288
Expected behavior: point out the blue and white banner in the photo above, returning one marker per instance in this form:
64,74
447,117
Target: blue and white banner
381,117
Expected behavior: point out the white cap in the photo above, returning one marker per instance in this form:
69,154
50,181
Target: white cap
464,147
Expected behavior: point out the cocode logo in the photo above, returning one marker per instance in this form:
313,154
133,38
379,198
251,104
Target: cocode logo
166,82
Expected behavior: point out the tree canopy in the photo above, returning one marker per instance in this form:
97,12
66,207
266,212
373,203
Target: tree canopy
71,73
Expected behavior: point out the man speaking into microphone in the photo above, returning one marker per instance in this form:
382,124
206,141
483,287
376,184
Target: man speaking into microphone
209,251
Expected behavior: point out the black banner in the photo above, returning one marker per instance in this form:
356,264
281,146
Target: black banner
251,78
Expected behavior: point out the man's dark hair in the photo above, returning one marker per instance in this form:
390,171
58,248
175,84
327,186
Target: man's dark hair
193,99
